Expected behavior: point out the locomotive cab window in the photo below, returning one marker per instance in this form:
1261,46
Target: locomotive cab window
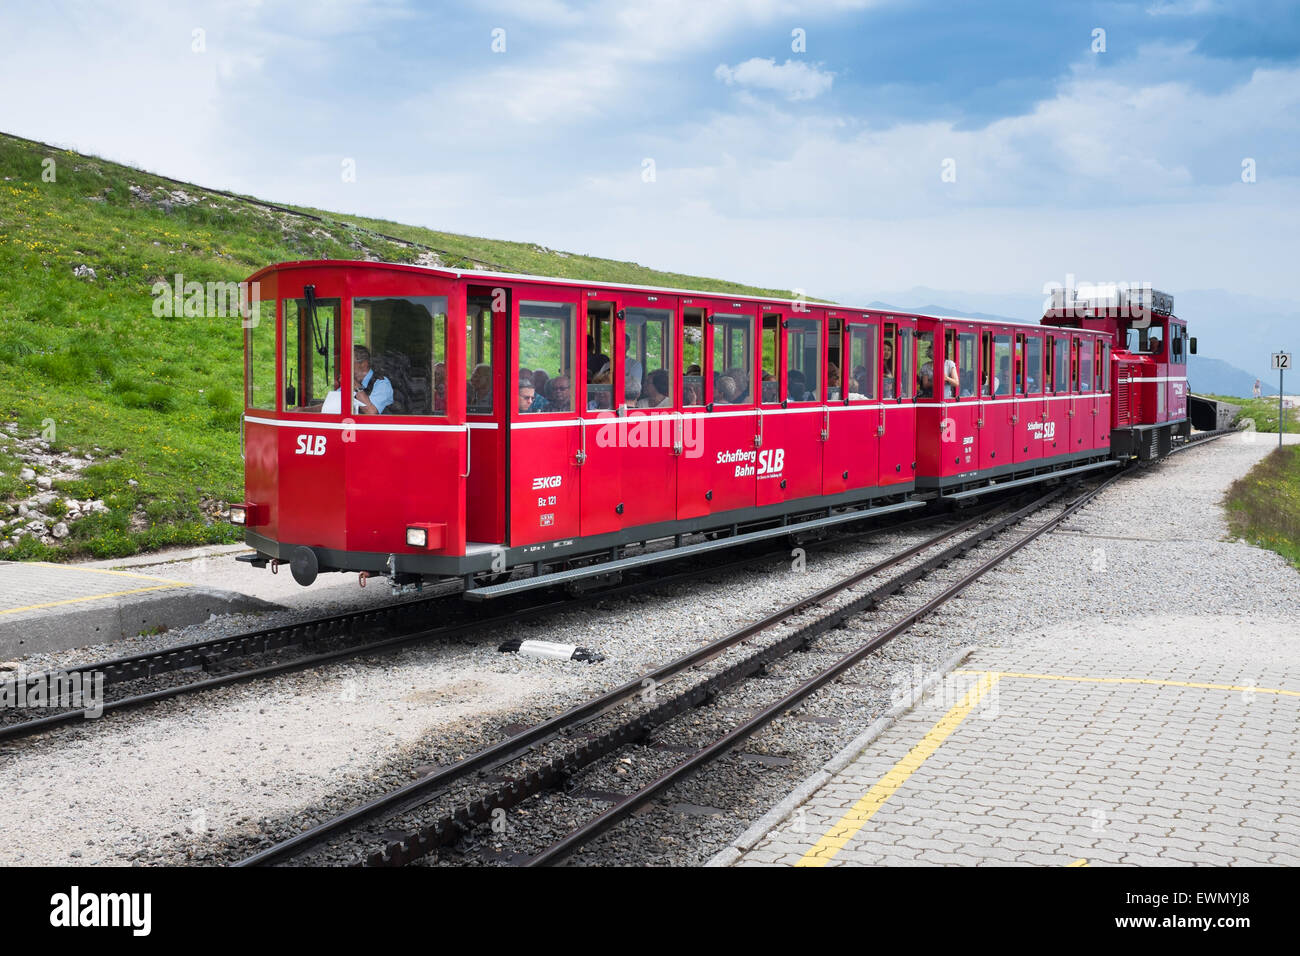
546,342
399,349
313,369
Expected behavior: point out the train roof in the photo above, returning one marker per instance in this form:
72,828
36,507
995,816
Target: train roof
597,283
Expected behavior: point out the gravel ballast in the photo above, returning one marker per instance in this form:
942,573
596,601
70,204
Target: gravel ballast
205,779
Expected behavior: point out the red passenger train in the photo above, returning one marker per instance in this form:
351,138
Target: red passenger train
426,423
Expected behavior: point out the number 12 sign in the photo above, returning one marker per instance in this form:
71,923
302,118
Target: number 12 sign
1282,361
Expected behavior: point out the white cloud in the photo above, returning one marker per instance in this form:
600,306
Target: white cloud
793,80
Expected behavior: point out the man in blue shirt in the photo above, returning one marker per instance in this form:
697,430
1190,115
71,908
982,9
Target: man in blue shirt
373,393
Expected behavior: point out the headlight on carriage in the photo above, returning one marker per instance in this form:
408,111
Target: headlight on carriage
417,537
238,514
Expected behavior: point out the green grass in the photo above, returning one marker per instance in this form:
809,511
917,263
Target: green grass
1264,505
161,396
1264,413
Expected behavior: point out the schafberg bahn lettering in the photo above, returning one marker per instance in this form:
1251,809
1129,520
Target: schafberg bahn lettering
769,462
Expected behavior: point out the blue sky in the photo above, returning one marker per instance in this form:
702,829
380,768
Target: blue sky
818,169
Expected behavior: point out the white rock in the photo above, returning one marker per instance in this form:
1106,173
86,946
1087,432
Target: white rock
44,483
23,510
60,530
133,483
26,474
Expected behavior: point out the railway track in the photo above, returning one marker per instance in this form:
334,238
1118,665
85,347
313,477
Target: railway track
496,759
558,771
160,675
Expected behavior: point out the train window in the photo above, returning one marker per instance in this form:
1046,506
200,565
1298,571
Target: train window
966,363
313,370
1033,365
1177,351
906,362
1060,360
692,356
803,378
1001,365
770,356
399,346
546,342
650,337
925,365
259,359
480,326
1105,367
861,385
834,360
1085,366
888,363
600,356
733,359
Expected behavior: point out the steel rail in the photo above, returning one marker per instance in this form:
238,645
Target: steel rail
425,788
615,814
213,651
555,772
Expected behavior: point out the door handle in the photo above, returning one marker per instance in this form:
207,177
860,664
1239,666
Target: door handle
678,433
758,439
826,423
469,445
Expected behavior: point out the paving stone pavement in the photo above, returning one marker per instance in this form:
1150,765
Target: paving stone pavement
1134,764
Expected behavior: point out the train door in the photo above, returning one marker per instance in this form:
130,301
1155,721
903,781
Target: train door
1079,408
694,471
648,433
960,454
897,430
1029,415
1101,375
850,453
487,315
544,436
1085,405
600,405
1057,398
730,434
789,461
997,412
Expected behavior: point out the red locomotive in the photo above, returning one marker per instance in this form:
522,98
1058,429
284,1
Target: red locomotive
427,423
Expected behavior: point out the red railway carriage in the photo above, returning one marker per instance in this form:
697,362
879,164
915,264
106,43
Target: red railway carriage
1006,403
418,422
425,423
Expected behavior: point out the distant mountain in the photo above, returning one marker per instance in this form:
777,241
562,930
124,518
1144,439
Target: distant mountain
1209,376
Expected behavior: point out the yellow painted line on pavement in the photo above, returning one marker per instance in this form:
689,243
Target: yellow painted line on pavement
856,818
1082,861
93,597
124,574
1142,680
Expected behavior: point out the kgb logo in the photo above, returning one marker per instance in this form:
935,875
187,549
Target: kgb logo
552,481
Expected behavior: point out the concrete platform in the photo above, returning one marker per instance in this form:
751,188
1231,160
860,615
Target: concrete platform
47,607
1177,752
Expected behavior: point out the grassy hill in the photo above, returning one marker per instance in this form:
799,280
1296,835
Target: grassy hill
120,428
